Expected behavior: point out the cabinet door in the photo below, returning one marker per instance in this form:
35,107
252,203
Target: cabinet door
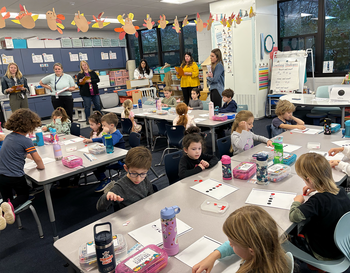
17,58
120,62
56,52
31,106
44,106
74,66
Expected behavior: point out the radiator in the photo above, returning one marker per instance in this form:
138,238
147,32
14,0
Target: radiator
249,100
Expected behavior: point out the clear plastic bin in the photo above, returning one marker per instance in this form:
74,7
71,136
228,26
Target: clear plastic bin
244,170
97,149
278,172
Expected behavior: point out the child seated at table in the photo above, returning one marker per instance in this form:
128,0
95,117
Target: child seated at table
128,113
134,186
230,105
60,122
195,103
168,101
194,160
285,119
182,118
253,236
242,138
109,125
14,150
338,164
323,209
95,125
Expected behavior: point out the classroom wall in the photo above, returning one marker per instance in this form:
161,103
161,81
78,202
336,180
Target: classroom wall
204,41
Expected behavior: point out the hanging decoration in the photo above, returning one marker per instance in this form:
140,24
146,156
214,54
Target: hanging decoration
185,21
223,21
127,27
148,22
81,22
162,22
246,14
251,12
54,21
100,23
210,21
239,17
230,20
25,18
200,25
176,25
3,18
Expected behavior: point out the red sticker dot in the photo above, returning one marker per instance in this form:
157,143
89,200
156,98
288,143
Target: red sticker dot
201,180
195,180
215,204
220,184
272,194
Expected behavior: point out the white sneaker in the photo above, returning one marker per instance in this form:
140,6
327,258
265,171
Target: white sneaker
2,221
9,214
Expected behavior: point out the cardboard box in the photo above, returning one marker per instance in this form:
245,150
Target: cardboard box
52,43
156,78
31,43
6,42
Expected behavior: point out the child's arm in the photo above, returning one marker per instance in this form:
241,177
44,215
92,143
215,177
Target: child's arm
48,126
262,139
238,141
208,263
116,137
98,139
291,127
39,162
334,151
200,105
172,102
340,166
298,120
231,108
62,127
211,159
107,199
185,172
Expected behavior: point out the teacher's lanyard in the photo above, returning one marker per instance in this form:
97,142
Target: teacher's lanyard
57,81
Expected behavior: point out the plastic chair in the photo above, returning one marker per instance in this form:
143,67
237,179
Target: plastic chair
175,135
336,115
171,162
109,100
316,117
224,145
126,126
75,129
205,105
341,239
161,131
322,92
241,107
269,130
290,261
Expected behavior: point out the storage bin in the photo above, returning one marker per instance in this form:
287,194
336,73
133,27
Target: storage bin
66,43
289,158
35,43
19,43
122,98
97,149
52,43
114,42
116,73
76,42
125,73
96,42
72,161
87,42
120,81
6,42
106,42
278,172
244,170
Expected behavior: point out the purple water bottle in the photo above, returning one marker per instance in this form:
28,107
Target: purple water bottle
226,167
169,230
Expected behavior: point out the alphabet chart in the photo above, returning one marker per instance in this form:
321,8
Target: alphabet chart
214,188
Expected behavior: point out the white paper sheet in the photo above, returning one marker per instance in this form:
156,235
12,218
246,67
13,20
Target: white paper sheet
204,115
83,57
73,140
60,91
112,55
84,150
74,57
32,164
214,188
308,131
7,59
196,120
152,232
48,58
199,250
342,143
338,156
37,59
104,56
268,198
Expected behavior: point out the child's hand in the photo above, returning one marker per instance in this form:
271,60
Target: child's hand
300,127
299,198
189,108
206,264
307,190
113,197
44,128
165,105
81,136
87,140
243,125
38,168
334,163
269,143
202,167
204,163
334,151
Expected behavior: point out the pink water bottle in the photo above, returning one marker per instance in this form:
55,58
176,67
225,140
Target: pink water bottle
159,105
169,230
226,167
211,110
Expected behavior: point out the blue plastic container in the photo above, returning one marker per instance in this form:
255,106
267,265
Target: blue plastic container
289,158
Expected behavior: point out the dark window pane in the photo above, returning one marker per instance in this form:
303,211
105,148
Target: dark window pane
152,59
149,41
170,39
298,17
172,58
190,39
337,34
134,48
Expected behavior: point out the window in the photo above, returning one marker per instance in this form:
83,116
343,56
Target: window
170,39
172,58
190,40
133,48
149,41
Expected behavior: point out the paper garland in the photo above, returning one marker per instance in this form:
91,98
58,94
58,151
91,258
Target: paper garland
25,18
81,22
199,22
148,22
100,23
162,22
185,21
176,25
54,21
210,21
127,27
3,18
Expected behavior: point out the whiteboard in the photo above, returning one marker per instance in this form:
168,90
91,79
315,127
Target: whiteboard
291,57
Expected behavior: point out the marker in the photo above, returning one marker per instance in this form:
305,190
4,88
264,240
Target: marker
87,157
295,99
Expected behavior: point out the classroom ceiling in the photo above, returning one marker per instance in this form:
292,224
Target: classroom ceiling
111,9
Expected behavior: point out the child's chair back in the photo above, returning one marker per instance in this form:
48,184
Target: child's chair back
172,162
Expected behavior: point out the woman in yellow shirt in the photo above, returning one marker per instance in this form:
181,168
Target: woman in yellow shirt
190,78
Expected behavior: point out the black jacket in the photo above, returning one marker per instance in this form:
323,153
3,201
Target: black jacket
84,89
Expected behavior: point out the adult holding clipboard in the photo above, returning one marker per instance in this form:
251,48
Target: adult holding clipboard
143,72
188,73
87,82
216,77
15,85
61,86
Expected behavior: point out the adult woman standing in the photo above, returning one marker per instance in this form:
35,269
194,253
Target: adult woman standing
56,82
143,72
13,76
89,90
216,77
190,78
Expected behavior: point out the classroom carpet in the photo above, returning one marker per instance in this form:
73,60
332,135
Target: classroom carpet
23,251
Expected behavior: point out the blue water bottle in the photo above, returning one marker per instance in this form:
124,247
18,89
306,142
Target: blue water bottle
104,249
140,103
109,144
39,138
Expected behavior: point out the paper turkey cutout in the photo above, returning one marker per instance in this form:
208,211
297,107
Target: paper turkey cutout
162,22
239,17
200,25
230,20
25,18
127,27
148,22
3,18
210,21
81,22
176,25
185,21
223,21
251,12
54,21
100,23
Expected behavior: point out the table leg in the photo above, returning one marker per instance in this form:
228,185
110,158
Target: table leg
50,210
212,129
343,117
269,106
146,129
151,133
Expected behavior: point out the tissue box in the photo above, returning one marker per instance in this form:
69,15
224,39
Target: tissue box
244,170
72,161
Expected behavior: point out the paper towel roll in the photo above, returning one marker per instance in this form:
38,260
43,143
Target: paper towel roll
32,90
131,66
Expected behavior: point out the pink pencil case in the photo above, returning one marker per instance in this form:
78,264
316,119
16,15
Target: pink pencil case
150,259
244,170
72,161
220,117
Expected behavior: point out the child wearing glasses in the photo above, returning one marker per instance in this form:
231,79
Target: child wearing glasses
134,186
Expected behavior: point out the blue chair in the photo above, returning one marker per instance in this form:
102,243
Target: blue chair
342,241
241,107
269,130
75,129
322,92
126,126
335,115
161,131
224,146
175,135
171,162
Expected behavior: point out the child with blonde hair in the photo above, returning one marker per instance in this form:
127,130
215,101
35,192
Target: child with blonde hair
252,235
128,113
285,119
168,100
242,138
60,122
323,209
182,118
